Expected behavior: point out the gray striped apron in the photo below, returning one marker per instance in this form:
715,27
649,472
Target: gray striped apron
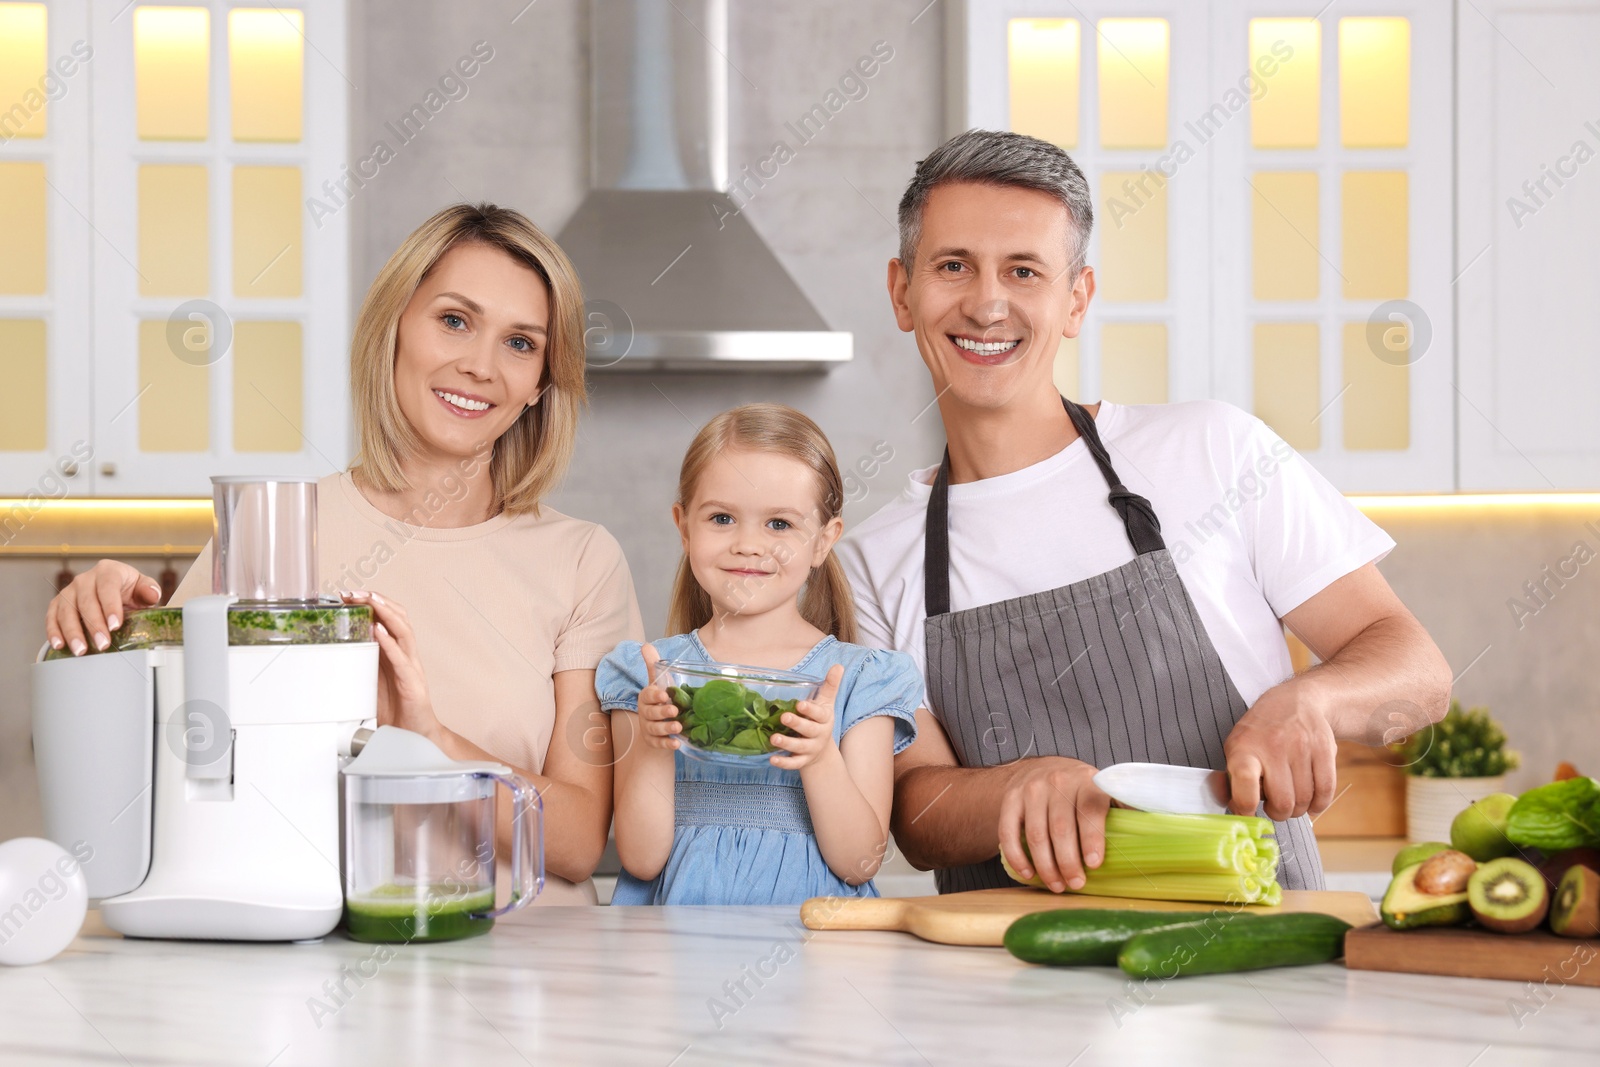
1113,669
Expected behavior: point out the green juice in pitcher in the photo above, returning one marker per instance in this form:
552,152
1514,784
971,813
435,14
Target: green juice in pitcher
419,913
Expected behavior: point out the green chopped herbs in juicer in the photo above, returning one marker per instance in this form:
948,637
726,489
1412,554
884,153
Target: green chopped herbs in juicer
309,623
264,559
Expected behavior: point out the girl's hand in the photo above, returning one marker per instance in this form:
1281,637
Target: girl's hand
812,720
403,698
658,715
95,604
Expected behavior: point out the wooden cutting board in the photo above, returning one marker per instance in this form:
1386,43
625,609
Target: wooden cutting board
980,917
1466,952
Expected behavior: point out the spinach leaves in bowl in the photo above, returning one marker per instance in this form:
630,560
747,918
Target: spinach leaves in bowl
734,711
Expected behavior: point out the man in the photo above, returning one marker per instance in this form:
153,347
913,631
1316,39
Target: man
1087,586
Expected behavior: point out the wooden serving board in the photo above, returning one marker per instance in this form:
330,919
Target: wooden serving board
980,917
1467,952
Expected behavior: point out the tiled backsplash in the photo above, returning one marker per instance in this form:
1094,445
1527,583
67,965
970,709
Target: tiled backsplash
1531,660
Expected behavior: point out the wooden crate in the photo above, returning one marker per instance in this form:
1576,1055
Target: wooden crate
1371,796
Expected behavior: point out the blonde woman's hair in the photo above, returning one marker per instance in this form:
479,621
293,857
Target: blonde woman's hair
531,457
826,602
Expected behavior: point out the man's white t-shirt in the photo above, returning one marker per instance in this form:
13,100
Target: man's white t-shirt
1254,530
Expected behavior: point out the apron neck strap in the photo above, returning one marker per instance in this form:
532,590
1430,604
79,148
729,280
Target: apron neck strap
936,544
1138,517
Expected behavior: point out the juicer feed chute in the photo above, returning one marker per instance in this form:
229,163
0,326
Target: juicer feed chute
264,541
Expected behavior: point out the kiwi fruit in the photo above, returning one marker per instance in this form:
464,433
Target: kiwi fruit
1576,910
1445,872
1556,866
1508,895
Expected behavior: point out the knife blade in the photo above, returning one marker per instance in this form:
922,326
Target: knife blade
1163,787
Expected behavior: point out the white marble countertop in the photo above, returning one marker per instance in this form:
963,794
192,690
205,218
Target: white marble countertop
641,986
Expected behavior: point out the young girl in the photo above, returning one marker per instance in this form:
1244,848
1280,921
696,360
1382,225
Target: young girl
758,506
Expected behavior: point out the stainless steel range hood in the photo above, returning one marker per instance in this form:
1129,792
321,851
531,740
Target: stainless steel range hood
674,276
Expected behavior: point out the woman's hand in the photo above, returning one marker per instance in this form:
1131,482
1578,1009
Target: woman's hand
812,721
97,601
403,698
658,715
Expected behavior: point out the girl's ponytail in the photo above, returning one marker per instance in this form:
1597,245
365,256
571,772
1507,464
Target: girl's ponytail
827,602
690,607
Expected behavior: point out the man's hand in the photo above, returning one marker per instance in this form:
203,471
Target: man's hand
1282,751
1053,803
1375,655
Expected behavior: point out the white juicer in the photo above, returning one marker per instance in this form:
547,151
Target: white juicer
203,770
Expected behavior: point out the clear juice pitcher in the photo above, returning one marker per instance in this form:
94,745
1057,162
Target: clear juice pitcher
419,841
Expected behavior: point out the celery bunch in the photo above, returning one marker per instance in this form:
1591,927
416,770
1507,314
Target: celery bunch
1154,856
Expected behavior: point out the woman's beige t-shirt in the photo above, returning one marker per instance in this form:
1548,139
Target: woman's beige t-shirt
498,608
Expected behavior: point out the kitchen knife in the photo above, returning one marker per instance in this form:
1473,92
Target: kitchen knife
1163,787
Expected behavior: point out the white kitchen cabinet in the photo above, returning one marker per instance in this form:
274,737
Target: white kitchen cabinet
1305,237
44,249
1528,190
220,304
198,306
1353,366
1107,82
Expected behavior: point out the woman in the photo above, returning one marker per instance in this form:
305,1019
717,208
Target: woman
467,372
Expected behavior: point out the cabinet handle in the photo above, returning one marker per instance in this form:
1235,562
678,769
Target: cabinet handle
70,470
109,470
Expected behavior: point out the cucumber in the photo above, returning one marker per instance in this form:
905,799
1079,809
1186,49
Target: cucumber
1075,937
1265,941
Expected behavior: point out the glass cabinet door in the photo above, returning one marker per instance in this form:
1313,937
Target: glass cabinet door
1272,192
1334,320
44,247
221,323
1108,87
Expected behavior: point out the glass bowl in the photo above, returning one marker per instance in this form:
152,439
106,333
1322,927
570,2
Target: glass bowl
729,713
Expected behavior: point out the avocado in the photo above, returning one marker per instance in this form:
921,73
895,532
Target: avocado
1416,854
1406,907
